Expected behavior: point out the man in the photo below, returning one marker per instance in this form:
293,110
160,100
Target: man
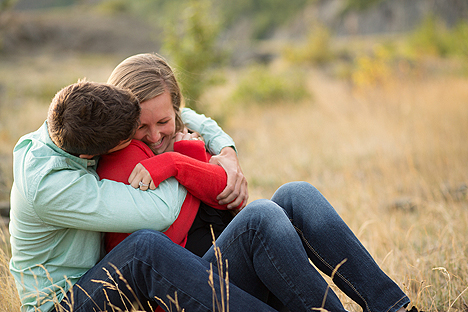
59,208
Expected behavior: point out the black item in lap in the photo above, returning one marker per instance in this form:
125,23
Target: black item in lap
199,238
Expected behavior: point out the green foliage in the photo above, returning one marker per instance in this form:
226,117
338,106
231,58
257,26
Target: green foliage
265,14
6,5
459,40
432,37
359,5
114,6
316,50
260,85
192,48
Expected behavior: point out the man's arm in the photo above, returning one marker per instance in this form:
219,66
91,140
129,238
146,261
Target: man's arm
81,201
215,138
223,147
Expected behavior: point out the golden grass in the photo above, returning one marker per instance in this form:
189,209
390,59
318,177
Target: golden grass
9,299
392,159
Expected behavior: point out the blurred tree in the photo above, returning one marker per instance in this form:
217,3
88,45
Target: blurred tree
266,15
190,42
5,7
359,5
315,50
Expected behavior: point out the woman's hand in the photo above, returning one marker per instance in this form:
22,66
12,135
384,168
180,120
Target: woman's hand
236,191
185,135
141,178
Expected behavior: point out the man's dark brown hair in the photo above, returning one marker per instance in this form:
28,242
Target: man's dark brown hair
89,118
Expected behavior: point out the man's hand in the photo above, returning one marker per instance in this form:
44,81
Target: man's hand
141,178
236,191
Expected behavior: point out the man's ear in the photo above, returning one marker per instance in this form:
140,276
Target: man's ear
86,156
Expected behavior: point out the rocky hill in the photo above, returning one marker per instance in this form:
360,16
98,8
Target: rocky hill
34,25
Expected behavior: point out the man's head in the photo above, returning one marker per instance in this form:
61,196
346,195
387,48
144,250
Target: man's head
89,118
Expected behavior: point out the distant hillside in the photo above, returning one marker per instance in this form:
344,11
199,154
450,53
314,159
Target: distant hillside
125,27
75,30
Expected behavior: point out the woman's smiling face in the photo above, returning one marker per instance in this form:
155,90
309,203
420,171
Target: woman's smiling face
157,123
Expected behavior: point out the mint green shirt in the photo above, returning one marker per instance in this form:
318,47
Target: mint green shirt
215,138
59,208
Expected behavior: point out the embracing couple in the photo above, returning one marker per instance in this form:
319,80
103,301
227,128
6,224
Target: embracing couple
115,195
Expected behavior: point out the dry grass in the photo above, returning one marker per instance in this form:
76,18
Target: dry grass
9,299
392,159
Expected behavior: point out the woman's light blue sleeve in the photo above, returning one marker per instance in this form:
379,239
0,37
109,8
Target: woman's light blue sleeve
215,138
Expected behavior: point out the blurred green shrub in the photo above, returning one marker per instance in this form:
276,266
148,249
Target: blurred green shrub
266,15
316,50
190,43
434,38
373,69
114,6
358,5
260,85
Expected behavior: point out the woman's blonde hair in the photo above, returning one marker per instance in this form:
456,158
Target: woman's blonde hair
147,76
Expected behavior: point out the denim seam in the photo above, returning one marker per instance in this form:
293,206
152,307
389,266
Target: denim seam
397,302
329,266
152,269
287,281
285,277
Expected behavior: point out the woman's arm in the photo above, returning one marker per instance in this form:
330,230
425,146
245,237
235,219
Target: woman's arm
203,180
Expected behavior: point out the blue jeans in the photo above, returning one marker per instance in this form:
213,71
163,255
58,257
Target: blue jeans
267,245
148,265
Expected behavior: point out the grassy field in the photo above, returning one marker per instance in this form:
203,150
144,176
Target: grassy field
392,158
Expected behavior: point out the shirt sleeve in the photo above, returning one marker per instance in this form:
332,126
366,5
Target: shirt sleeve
203,180
215,138
192,148
81,201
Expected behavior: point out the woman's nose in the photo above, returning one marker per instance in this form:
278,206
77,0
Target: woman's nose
153,135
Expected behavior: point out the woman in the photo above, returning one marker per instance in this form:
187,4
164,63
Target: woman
153,82
204,183
269,243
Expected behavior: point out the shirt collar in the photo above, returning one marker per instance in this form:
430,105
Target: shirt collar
45,137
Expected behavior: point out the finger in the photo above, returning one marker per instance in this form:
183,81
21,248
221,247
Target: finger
190,136
136,178
240,199
233,195
133,174
230,186
143,186
243,198
245,191
135,182
194,136
179,136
